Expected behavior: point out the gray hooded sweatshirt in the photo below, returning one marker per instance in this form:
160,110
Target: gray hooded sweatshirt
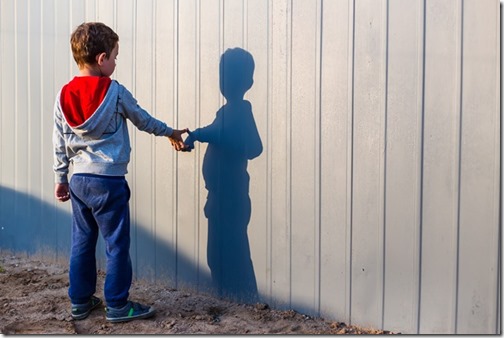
100,145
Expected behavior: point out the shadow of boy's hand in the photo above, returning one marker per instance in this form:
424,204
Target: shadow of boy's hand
189,142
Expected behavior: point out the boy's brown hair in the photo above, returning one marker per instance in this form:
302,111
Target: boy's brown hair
90,39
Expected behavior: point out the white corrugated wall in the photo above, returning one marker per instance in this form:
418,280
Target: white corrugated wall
376,198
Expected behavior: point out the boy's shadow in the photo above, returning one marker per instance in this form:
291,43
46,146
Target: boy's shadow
232,140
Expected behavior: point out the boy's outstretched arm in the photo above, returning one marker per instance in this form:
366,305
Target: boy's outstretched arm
176,139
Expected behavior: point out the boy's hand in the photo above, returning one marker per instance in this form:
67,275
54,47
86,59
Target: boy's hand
176,139
62,192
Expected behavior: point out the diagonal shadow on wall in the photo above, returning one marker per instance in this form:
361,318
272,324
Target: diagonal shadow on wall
35,227
29,224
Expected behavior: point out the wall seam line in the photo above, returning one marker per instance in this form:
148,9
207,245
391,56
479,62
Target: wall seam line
196,158
289,145
351,165
318,126
152,139
29,100
421,167
269,166
498,151
16,107
459,162
384,196
1,98
175,157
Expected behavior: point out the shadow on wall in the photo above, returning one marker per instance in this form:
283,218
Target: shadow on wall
232,140
33,226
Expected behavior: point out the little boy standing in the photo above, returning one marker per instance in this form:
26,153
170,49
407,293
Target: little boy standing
90,131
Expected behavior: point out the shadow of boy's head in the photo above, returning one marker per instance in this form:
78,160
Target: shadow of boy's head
236,73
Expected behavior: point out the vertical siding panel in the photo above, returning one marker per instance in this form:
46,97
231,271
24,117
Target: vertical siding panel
90,10
1,85
8,109
196,167
22,49
1,88
233,23
334,133
35,115
266,293
165,48
479,223
126,23
48,91
439,228
187,240
22,122
77,16
402,175
280,45
210,101
499,153
105,11
34,104
143,186
318,154
367,231
349,164
303,155
62,75
257,45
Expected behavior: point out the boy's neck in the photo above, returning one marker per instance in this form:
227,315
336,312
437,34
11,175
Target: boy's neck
89,71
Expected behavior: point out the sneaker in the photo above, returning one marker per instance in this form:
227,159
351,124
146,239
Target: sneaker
129,312
81,311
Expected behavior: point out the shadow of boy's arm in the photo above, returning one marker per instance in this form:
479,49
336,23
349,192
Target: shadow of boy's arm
207,134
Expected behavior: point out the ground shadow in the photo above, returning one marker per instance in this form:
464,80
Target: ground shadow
232,140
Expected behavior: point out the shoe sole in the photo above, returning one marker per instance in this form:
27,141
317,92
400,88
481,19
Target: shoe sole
87,313
127,319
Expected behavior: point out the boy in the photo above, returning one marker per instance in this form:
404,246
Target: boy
90,131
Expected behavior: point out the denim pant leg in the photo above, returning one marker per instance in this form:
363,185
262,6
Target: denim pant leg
114,222
82,273
107,198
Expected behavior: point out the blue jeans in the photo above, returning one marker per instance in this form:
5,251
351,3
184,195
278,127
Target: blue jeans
100,204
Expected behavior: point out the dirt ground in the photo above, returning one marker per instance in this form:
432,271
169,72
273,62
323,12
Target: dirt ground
33,300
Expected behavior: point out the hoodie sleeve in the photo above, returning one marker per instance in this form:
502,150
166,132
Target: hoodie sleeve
61,162
140,117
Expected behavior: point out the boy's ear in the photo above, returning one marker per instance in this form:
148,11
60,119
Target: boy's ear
100,58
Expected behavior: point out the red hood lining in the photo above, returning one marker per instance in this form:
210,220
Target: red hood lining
82,96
